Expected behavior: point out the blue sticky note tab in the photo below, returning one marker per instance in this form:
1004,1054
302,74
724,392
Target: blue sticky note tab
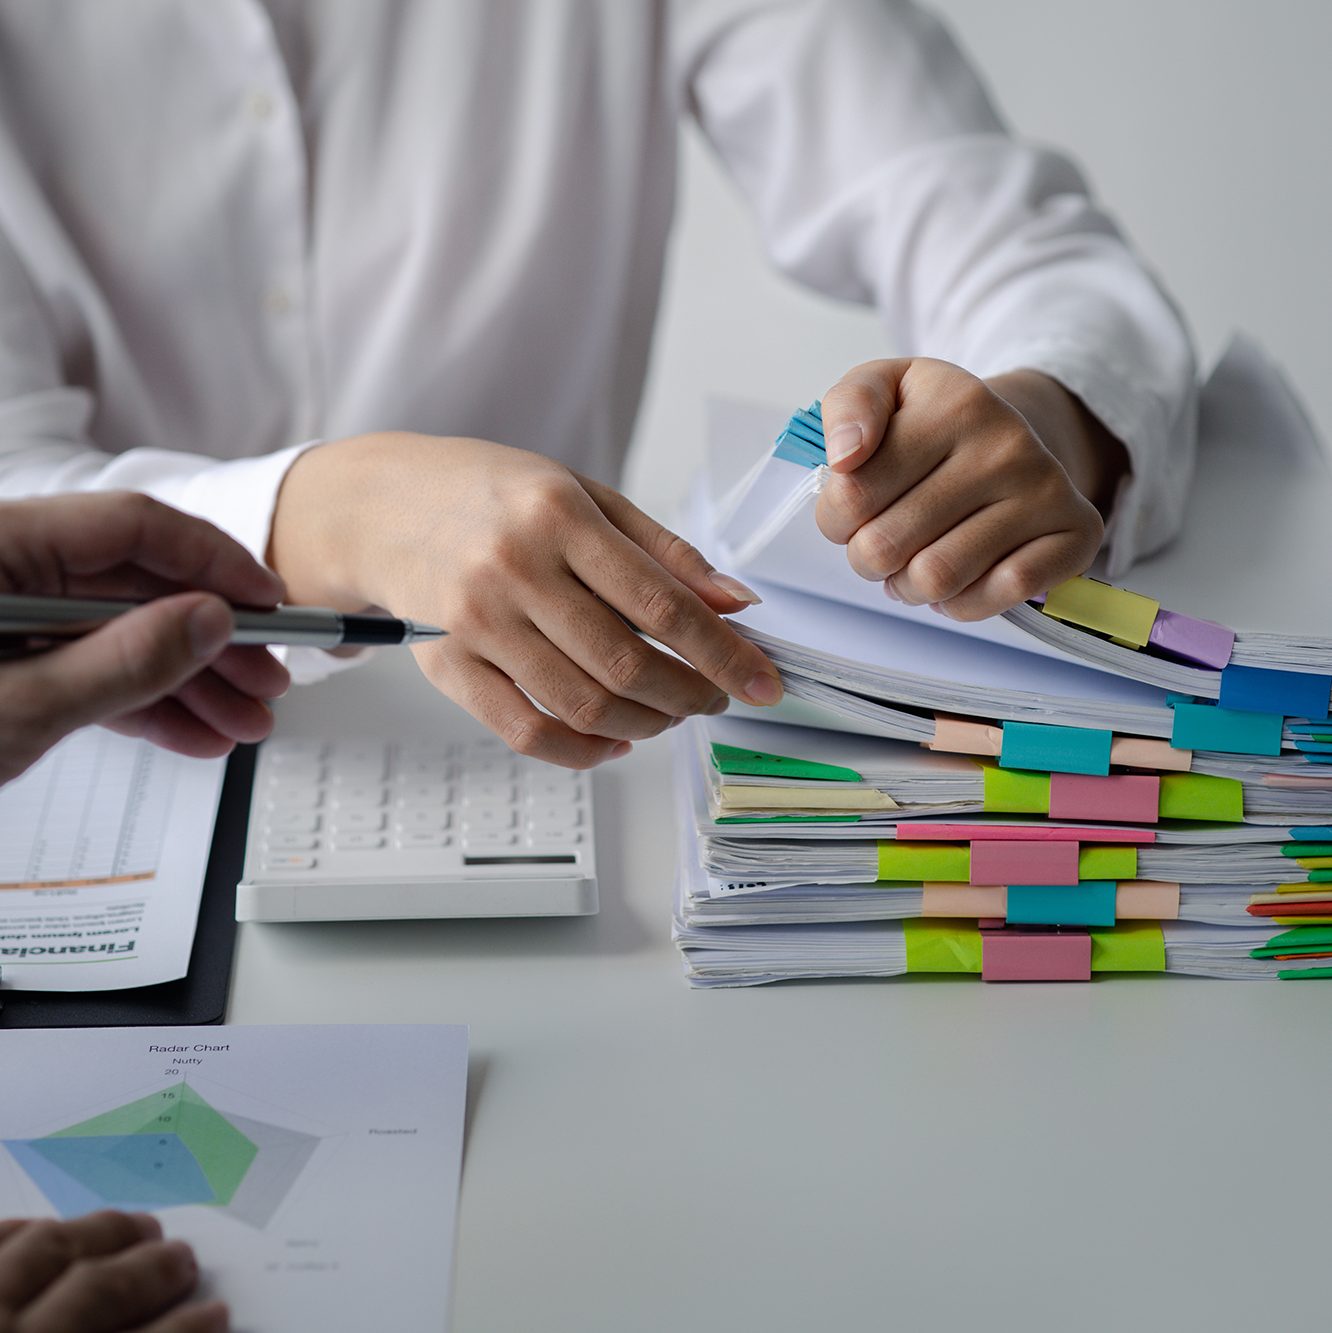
1310,728
1265,690
811,424
810,435
1052,749
795,450
816,409
1314,747
1318,758
1091,903
1227,730
1311,834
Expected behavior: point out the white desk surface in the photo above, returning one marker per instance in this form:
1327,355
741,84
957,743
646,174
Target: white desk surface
919,1154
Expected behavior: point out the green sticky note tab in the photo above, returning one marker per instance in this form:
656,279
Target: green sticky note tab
1135,947
1201,796
945,862
1320,877
755,763
1107,861
1055,749
1011,791
1225,730
1300,936
1302,849
941,946
1305,974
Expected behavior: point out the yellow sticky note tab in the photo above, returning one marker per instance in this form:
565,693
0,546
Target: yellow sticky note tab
1108,861
1016,791
1136,948
1201,796
1144,752
941,946
955,735
1314,862
949,862
1127,617
1146,900
735,796
1300,886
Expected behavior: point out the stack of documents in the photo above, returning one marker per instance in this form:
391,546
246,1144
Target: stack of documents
1093,782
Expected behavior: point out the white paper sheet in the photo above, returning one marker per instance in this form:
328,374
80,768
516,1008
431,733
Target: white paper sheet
314,1169
103,848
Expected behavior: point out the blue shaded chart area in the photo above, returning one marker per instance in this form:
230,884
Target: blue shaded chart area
169,1149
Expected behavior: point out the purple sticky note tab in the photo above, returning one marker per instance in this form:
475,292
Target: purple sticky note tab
1200,642
1011,955
1024,862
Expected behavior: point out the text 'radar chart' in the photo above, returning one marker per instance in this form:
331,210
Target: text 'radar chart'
166,1150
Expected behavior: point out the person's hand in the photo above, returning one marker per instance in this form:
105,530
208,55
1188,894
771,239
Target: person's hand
533,570
162,671
104,1273
968,495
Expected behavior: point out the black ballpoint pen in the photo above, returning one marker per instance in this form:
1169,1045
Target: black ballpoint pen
45,619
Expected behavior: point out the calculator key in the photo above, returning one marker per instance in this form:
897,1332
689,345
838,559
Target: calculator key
553,835
489,838
291,842
357,821
413,770
360,794
294,798
294,821
431,820
487,817
285,751
552,812
483,793
357,842
422,793
422,839
554,789
296,774
289,861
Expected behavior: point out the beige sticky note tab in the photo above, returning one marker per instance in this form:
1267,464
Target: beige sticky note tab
1143,752
963,900
737,797
1146,900
954,735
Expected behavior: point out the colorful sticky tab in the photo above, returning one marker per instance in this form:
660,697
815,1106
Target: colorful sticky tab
929,832
1142,752
1053,749
921,861
955,735
1123,615
1300,850
1265,690
1129,798
1091,903
1311,833
1209,727
1302,938
941,946
1024,862
1305,974
1200,642
963,900
1138,947
1019,955
1107,863
1011,792
1202,796
1147,900
755,763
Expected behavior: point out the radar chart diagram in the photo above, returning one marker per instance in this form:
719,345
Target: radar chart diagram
164,1150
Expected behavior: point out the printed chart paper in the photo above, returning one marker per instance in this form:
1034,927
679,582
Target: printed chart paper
103,848
315,1170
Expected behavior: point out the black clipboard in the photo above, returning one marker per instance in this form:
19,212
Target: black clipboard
201,995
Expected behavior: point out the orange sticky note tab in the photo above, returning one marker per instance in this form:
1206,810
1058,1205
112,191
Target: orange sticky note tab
1147,900
1143,752
955,735
962,900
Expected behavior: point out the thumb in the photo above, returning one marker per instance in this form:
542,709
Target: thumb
856,411
720,592
131,662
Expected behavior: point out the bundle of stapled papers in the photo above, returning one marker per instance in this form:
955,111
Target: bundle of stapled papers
1095,782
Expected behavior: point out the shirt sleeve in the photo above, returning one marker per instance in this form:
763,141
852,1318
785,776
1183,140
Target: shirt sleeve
881,173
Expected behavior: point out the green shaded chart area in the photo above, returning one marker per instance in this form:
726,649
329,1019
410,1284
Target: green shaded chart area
167,1149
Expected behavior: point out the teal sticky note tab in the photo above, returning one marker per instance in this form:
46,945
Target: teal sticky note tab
1091,903
816,410
1320,833
1051,749
1310,729
1314,747
1266,690
795,450
1173,700
1226,730
810,432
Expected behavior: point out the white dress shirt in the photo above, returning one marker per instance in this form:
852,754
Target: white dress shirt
227,228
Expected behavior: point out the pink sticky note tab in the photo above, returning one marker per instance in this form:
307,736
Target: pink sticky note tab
1128,798
1146,900
953,735
1142,752
1024,863
963,900
1014,955
925,832
1202,642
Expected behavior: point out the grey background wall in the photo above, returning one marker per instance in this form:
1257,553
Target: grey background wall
1203,124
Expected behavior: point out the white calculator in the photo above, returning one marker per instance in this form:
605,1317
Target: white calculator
347,829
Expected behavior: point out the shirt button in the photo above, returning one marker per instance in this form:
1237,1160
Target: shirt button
260,105
278,300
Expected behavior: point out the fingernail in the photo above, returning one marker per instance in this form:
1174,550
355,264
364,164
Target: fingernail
763,690
890,591
939,609
674,722
209,628
717,706
619,751
734,588
844,441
